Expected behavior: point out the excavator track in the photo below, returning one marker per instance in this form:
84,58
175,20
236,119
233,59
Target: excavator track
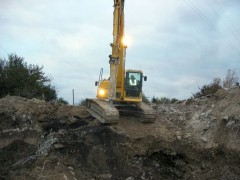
103,111
147,113
108,114
142,111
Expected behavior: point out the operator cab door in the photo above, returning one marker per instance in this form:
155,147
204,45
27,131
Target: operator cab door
133,84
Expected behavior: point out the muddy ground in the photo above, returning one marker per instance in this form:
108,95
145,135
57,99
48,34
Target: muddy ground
191,139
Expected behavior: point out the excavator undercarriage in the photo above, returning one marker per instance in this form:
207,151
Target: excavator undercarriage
108,113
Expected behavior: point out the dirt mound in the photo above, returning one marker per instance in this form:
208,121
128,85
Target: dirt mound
192,139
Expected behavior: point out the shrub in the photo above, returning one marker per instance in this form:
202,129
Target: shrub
163,100
17,78
83,102
145,99
231,79
208,89
61,100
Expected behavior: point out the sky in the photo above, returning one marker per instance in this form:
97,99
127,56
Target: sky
180,45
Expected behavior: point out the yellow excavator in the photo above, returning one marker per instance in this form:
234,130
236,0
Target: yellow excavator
122,92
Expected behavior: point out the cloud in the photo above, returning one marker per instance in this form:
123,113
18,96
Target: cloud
179,45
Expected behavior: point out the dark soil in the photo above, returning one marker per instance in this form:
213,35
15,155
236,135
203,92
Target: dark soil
192,139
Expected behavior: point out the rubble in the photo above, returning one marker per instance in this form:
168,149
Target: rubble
191,139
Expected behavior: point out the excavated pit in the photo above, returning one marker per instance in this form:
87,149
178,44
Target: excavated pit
192,139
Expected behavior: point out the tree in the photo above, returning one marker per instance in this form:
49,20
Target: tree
231,79
19,79
163,100
145,99
61,100
2,77
82,102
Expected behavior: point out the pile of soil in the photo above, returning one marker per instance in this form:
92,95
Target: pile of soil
191,139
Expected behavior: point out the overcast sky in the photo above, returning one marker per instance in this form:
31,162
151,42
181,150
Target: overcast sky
179,44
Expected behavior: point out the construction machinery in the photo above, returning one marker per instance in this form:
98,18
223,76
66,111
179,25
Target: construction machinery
122,92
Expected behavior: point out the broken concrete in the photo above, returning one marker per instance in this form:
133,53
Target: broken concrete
192,139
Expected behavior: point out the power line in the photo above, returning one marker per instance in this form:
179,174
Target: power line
231,25
206,20
220,4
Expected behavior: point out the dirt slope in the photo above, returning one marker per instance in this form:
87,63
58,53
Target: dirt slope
192,139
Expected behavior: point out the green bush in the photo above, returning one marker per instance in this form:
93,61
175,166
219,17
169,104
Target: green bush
208,89
19,79
82,102
62,101
163,100
145,99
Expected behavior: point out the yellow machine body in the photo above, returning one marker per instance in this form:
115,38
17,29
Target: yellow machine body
119,87
129,93
122,92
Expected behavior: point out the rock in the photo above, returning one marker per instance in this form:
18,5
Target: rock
14,118
204,139
188,135
58,146
230,123
61,131
71,168
72,120
208,112
179,137
226,118
213,118
143,176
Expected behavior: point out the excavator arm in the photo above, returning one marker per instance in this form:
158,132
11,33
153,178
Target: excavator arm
117,58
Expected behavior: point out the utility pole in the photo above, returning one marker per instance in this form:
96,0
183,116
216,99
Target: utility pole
73,96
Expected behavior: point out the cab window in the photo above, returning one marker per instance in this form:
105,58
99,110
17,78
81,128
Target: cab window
133,84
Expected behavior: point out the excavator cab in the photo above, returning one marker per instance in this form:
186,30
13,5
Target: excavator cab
133,84
132,87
